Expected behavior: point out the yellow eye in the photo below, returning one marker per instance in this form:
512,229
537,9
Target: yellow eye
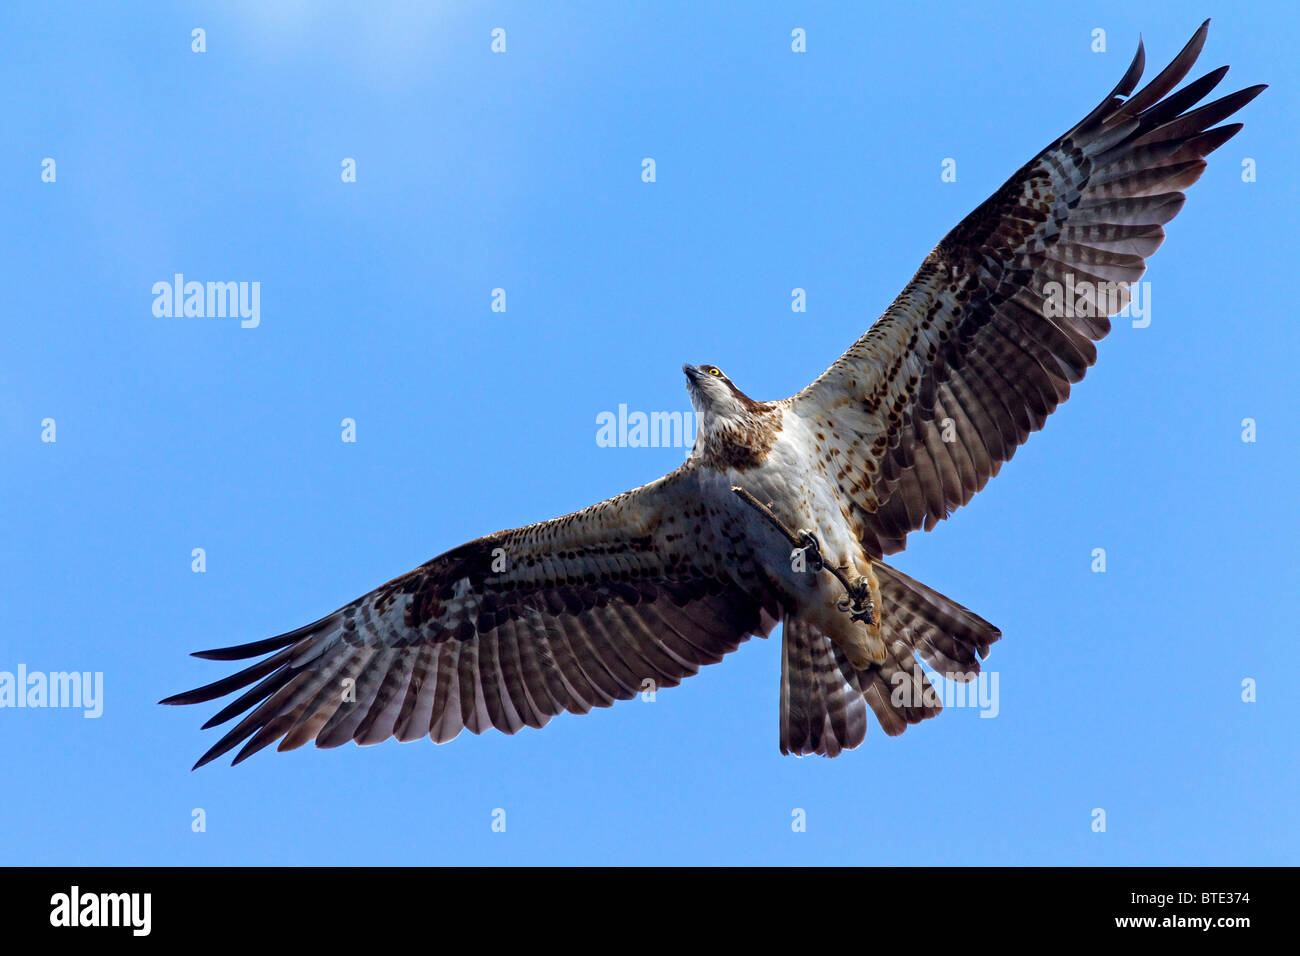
714,370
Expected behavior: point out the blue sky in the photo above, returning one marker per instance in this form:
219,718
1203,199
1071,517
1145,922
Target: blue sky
774,170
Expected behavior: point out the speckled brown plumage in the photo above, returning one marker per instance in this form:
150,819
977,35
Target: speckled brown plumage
967,341
637,592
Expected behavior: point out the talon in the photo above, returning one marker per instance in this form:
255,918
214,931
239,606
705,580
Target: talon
858,604
867,615
812,550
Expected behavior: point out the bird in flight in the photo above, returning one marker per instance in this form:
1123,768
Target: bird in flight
785,510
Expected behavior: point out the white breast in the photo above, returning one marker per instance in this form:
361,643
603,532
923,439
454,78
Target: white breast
791,480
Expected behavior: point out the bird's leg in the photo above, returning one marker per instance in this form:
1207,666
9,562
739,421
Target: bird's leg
812,549
858,604
857,601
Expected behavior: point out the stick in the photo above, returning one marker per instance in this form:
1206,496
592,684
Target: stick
859,604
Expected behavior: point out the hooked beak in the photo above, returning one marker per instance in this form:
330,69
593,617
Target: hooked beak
692,372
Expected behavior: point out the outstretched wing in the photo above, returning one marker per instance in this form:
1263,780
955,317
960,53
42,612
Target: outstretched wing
1001,318
506,631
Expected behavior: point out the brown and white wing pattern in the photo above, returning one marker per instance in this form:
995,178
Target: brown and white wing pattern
1000,320
506,631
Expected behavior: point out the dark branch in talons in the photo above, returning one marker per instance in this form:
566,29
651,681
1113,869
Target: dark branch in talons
857,599
812,550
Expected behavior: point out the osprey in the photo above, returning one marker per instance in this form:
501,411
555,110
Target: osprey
784,510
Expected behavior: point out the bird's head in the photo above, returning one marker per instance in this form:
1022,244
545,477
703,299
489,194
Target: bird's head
717,402
713,396
731,428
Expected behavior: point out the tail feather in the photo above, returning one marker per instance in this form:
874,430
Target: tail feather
824,697
822,709
949,637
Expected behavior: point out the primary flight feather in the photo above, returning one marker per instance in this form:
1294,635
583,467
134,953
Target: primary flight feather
640,591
